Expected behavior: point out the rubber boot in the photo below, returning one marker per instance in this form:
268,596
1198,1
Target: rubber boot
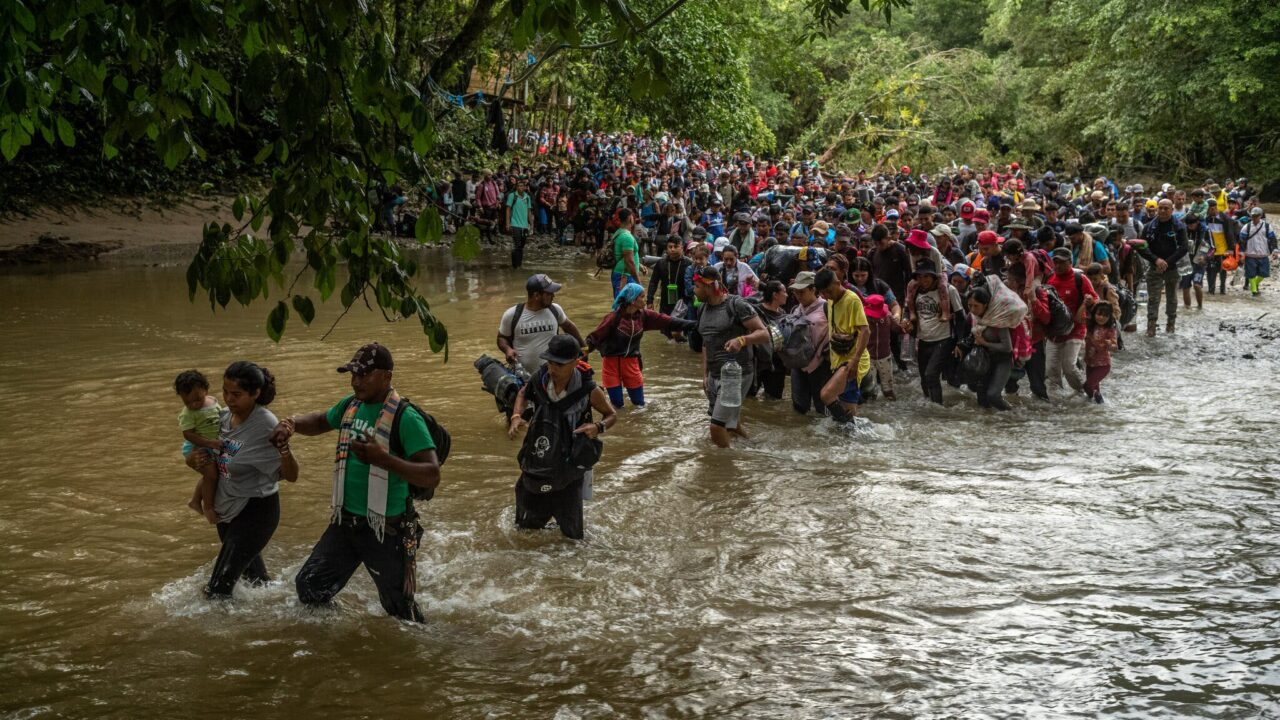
615,395
637,395
838,413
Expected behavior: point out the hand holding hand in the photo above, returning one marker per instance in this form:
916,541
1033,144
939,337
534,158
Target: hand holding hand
591,430
280,434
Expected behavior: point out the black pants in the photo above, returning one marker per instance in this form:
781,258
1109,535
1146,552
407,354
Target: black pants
342,548
1215,272
990,388
518,237
773,381
1035,375
243,539
806,388
534,510
931,358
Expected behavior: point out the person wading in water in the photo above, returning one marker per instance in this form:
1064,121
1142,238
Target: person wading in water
373,521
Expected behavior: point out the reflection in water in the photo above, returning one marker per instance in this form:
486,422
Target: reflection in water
1048,562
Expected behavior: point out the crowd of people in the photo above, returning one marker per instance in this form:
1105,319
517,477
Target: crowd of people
773,273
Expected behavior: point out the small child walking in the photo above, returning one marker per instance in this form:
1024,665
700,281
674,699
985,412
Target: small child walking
879,343
199,421
1098,344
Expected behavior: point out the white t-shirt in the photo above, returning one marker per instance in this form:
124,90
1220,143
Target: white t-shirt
533,333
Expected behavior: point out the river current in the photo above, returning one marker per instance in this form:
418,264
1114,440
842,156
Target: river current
1056,561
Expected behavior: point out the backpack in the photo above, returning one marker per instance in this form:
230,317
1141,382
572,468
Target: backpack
1042,259
1060,320
763,354
552,456
607,257
797,349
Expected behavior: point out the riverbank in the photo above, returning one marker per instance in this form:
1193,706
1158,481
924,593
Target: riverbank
130,230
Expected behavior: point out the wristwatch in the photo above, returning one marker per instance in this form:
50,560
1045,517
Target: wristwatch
600,428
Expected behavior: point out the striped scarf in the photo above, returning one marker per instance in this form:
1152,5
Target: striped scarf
377,493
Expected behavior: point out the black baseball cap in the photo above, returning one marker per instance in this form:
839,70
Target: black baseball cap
542,283
562,349
369,358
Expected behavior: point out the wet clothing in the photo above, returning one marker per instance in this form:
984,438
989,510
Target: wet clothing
345,546
244,537
535,510
718,324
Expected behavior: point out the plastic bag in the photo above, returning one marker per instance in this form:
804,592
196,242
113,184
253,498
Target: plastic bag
976,364
1006,309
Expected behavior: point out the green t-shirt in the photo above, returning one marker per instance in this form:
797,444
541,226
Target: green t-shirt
205,422
623,240
519,205
414,438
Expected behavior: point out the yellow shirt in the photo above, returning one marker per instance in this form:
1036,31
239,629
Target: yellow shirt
845,317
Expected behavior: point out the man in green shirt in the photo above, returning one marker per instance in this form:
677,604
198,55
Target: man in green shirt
519,219
625,248
372,519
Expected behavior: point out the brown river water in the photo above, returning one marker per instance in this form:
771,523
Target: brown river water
1050,562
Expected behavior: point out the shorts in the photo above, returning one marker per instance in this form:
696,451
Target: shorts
1257,267
624,371
726,417
187,447
852,394
1196,277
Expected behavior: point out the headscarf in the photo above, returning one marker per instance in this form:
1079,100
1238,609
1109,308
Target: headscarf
627,295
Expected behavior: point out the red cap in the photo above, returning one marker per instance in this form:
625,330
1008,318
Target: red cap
966,210
919,238
988,237
1014,166
906,170
982,215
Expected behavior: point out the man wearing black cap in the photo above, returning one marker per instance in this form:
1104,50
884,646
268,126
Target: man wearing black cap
384,446
561,396
526,328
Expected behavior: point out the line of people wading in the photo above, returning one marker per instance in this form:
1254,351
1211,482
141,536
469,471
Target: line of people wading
835,295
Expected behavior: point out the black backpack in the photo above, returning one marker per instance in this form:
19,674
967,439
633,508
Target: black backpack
552,457
1061,321
439,436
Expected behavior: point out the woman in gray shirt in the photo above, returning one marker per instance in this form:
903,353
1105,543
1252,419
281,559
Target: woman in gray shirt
249,472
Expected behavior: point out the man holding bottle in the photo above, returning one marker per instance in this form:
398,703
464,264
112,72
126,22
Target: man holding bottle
728,326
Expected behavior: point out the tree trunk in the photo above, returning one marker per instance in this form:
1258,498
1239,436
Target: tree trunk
885,158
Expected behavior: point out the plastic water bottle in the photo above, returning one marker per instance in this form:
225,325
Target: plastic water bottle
731,384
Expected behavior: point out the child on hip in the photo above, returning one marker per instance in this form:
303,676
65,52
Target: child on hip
200,422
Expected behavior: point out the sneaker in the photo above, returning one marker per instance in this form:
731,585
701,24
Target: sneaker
1169,329
1097,397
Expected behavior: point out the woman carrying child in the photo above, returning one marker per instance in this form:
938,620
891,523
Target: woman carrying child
249,471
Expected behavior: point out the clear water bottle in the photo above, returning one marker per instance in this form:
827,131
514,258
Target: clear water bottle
731,384
1142,294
